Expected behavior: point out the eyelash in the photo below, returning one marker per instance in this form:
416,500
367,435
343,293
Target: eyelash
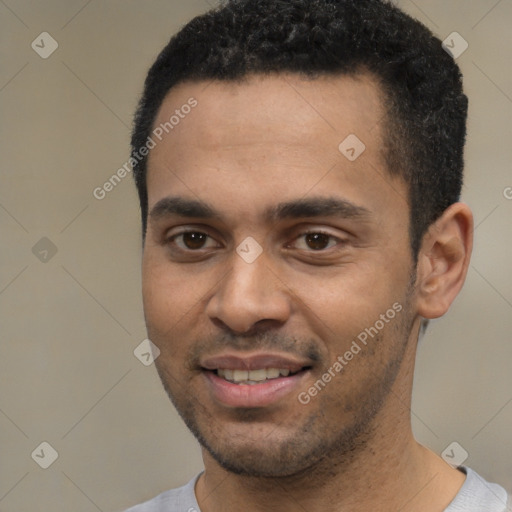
302,235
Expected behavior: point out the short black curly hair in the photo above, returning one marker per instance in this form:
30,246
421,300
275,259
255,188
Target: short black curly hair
426,109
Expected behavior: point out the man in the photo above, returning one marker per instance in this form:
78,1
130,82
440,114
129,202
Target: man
299,166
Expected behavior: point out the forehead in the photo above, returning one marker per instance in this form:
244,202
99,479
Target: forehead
306,106
271,138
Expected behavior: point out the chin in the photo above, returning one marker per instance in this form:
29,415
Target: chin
270,450
268,461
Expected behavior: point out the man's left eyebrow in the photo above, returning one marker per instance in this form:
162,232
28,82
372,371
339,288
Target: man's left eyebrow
318,207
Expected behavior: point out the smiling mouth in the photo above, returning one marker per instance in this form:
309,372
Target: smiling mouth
253,380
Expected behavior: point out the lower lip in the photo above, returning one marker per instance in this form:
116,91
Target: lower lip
252,395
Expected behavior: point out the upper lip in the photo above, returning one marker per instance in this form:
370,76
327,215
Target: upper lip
233,361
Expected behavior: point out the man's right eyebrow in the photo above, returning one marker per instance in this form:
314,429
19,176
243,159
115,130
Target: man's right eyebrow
181,207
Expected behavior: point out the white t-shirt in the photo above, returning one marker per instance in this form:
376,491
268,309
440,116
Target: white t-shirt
475,495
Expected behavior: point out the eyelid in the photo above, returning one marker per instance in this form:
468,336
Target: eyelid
188,228
311,229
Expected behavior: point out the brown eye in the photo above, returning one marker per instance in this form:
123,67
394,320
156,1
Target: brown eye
193,240
317,241
190,246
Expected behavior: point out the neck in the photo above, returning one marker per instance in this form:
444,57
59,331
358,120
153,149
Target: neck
390,471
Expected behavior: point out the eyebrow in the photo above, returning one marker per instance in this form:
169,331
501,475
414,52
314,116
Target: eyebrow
182,207
300,208
318,207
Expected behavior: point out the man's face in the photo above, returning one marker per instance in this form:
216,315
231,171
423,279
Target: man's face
268,254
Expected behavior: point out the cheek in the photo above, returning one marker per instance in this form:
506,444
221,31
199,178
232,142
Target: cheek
355,312
174,303
162,314
345,297
164,298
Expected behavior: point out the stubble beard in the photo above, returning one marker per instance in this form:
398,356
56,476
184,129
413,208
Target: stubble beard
318,446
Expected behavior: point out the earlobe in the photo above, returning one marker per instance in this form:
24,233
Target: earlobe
443,260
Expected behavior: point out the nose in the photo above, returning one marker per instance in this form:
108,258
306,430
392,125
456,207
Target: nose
250,294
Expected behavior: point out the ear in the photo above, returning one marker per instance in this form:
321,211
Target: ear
443,261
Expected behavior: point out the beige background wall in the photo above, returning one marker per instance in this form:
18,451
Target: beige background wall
70,321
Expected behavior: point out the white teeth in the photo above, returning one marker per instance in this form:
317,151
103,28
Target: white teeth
273,373
239,375
258,375
252,376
